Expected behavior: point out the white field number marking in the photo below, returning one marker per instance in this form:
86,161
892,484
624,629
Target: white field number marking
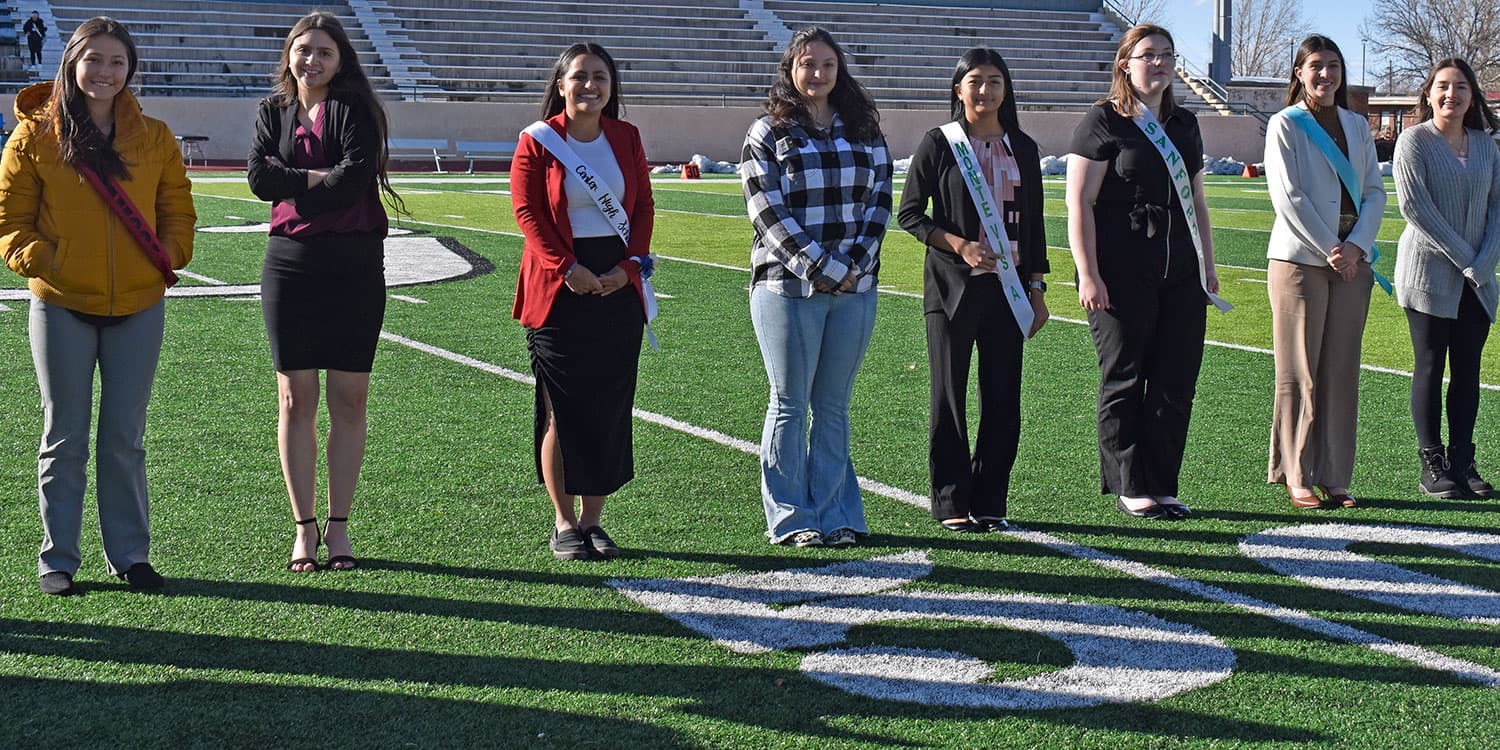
1318,555
1121,656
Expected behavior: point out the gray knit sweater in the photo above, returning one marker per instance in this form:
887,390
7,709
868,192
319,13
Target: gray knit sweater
1452,211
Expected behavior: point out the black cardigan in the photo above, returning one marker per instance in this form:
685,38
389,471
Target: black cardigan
934,175
350,142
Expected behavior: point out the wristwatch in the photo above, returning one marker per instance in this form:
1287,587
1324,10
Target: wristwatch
1039,286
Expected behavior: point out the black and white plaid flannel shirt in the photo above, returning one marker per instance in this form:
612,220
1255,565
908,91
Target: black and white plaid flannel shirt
820,205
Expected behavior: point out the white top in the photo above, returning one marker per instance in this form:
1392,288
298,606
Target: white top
583,212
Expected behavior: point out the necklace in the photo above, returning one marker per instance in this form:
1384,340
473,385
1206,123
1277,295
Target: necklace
1461,147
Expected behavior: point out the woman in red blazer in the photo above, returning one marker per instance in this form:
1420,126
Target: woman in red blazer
580,294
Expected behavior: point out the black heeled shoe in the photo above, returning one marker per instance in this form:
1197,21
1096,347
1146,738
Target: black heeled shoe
334,561
313,561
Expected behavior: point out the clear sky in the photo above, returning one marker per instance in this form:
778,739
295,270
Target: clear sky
1192,25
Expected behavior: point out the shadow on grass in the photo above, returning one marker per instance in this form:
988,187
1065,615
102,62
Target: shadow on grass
248,713
58,713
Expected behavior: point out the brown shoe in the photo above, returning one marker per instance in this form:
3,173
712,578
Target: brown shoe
1309,501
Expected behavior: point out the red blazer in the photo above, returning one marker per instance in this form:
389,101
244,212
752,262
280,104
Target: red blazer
541,205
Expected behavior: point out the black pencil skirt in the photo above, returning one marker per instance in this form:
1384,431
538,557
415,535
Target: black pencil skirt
323,299
585,358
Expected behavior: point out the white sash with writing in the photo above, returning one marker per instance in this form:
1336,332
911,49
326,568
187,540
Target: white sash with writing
994,226
1183,182
603,197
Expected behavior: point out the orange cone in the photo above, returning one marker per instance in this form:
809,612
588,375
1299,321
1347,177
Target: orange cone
1250,171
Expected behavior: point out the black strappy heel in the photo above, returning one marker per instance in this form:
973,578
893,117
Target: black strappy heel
313,561
335,560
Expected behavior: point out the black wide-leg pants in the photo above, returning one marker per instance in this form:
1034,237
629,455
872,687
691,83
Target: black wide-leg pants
978,483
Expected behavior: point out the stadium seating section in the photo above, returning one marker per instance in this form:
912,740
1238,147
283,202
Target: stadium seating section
670,50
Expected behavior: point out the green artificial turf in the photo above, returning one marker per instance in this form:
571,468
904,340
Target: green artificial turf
460,629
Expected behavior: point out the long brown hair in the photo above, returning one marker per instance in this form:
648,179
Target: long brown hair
786,105
79,141
349,81
1121,93
1310,46
1479,116
552,101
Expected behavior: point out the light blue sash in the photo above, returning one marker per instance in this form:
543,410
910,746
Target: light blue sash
1341,167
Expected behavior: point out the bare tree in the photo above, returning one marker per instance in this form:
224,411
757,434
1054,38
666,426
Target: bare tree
1412,35
1142,11
1264,31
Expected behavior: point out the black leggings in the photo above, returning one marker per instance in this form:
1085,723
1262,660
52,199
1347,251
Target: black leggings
1461,341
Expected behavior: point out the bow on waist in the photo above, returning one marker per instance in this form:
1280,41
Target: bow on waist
1148,216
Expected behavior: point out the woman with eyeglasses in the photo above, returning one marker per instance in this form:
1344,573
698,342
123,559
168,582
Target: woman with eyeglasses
1145,261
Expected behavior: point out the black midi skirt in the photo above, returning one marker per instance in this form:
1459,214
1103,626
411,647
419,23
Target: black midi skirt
585,358
323,299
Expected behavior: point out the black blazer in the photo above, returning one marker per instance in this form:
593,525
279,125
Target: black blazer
349,141
934,175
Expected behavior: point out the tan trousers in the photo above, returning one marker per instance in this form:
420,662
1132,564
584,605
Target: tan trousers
1317,323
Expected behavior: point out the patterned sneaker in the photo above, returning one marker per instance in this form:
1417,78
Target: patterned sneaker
805,539
840,538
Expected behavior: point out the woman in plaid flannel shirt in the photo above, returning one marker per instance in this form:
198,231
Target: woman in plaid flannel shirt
817,179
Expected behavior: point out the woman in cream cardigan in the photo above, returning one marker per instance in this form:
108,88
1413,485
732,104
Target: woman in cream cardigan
1448,179
1319,275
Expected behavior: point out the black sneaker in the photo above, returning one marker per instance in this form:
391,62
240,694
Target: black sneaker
569,544
601,543
57,583
143,577
1465,474
1437,474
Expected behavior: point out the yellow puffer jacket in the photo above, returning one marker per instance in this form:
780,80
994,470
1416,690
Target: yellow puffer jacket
57,231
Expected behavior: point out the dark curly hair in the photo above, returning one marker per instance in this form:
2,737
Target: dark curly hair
848,98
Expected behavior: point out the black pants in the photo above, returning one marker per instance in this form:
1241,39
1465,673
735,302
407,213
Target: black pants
1150,346
1461,341
977,484
35,45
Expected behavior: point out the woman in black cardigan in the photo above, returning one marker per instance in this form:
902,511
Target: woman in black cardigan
963,295
319,156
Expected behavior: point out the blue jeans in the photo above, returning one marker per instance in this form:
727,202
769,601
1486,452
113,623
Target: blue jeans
66,352
812,349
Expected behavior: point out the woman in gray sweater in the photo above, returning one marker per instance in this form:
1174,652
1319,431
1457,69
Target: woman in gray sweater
1447,172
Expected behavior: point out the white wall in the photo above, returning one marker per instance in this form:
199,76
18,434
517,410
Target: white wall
672,134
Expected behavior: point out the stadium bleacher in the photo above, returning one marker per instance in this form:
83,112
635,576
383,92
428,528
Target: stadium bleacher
723,51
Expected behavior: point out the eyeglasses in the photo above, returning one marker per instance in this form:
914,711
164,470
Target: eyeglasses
1156,58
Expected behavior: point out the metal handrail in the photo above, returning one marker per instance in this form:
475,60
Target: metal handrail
1185,68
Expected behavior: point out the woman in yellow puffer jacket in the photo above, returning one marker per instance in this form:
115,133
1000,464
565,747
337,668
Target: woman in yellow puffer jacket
98,295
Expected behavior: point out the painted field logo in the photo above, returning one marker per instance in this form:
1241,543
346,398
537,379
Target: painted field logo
1120,655
1318,555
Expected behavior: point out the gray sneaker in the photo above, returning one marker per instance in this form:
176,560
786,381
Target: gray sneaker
569,544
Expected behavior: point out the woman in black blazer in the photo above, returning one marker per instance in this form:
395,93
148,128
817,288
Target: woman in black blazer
963,295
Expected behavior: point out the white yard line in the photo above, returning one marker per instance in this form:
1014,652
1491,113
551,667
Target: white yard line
1415,654
200,277
1209,342
412,300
